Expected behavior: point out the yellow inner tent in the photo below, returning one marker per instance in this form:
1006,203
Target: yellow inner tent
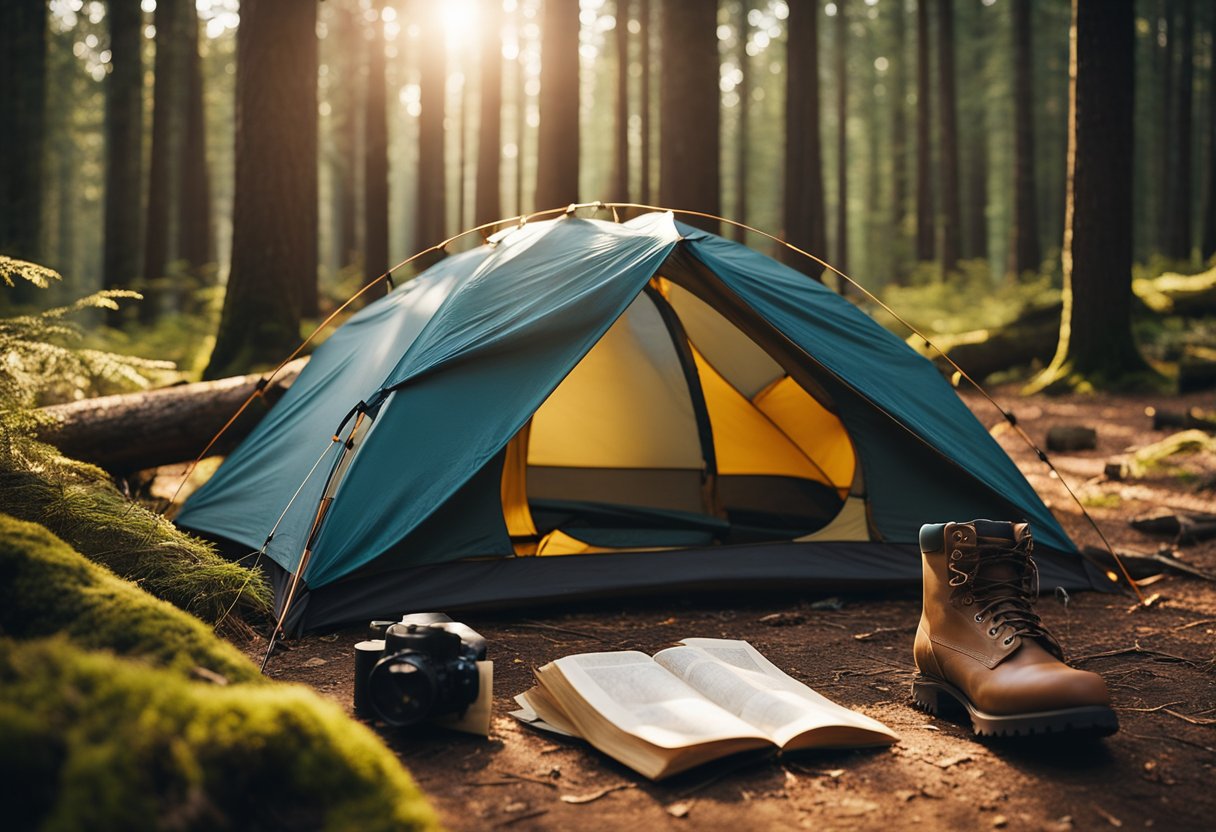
676,410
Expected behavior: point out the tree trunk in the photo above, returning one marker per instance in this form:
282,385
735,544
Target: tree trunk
349,100
274,240
620,158
646,19
926,225
375,164
557,142
196,241
23,33
168,97
689,134
173,423
805,223
1168,34
430,213
124,149
898,76
1208,249
1178,231
842,142
951,214
1096,346
1025,255
487,200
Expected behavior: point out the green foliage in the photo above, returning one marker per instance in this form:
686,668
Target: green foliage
79,503
47,588
42,359
119,745
40,276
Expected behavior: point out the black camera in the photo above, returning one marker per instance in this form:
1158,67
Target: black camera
419,668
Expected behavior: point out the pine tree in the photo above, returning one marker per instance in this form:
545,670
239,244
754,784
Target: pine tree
1096,347
274,240
925,221
487,198
1024,246
375,162
557,141
124,149
804,201
951,213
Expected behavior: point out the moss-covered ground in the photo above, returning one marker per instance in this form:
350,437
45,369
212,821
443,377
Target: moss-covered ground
81,505
107,721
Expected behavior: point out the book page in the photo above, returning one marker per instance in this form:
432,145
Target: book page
735,676
643,699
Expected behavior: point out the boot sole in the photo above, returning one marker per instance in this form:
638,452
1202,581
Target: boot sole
934,696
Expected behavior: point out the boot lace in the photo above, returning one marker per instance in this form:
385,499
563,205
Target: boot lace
1002,580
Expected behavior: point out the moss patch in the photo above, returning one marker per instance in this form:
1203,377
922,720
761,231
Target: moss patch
131,747
79,504
46,588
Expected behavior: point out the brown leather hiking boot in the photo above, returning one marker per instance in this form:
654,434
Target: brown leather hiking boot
980,645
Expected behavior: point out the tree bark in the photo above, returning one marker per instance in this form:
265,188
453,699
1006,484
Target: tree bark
274,241
842,142
487,198
348,103
1208,242
646,19
124,149
1178,230
168,96
430,213
196,241
951,214
620,157
23,33
1025,255
375,165
1168,34
899,143
689,133
926,224
1096,347
805,215
557,142
133,431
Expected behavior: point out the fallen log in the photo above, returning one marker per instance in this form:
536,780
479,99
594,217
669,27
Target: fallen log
1033,335
133,431
1030,337
1189,295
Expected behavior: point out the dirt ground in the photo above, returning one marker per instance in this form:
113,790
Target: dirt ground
1158,771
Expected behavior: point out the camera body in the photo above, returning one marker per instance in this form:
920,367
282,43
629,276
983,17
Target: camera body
423,667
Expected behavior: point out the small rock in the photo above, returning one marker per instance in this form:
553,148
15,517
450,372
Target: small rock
681,809
999,821
783,619
515,807
315,661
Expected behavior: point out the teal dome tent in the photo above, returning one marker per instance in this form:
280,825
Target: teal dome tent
581,407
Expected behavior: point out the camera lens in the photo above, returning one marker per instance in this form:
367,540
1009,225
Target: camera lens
402,688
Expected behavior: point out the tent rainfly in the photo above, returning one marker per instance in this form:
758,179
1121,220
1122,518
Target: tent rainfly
581,407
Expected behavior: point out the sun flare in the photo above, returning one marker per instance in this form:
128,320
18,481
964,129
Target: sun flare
460,22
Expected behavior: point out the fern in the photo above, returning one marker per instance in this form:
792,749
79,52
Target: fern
42,361
40,276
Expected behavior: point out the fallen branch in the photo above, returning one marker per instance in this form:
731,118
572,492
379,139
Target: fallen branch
597,794
1136,649
1193,720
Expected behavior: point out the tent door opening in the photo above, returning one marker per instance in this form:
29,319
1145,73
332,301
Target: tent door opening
677,430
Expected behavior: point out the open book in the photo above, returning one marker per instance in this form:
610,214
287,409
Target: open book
688,705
